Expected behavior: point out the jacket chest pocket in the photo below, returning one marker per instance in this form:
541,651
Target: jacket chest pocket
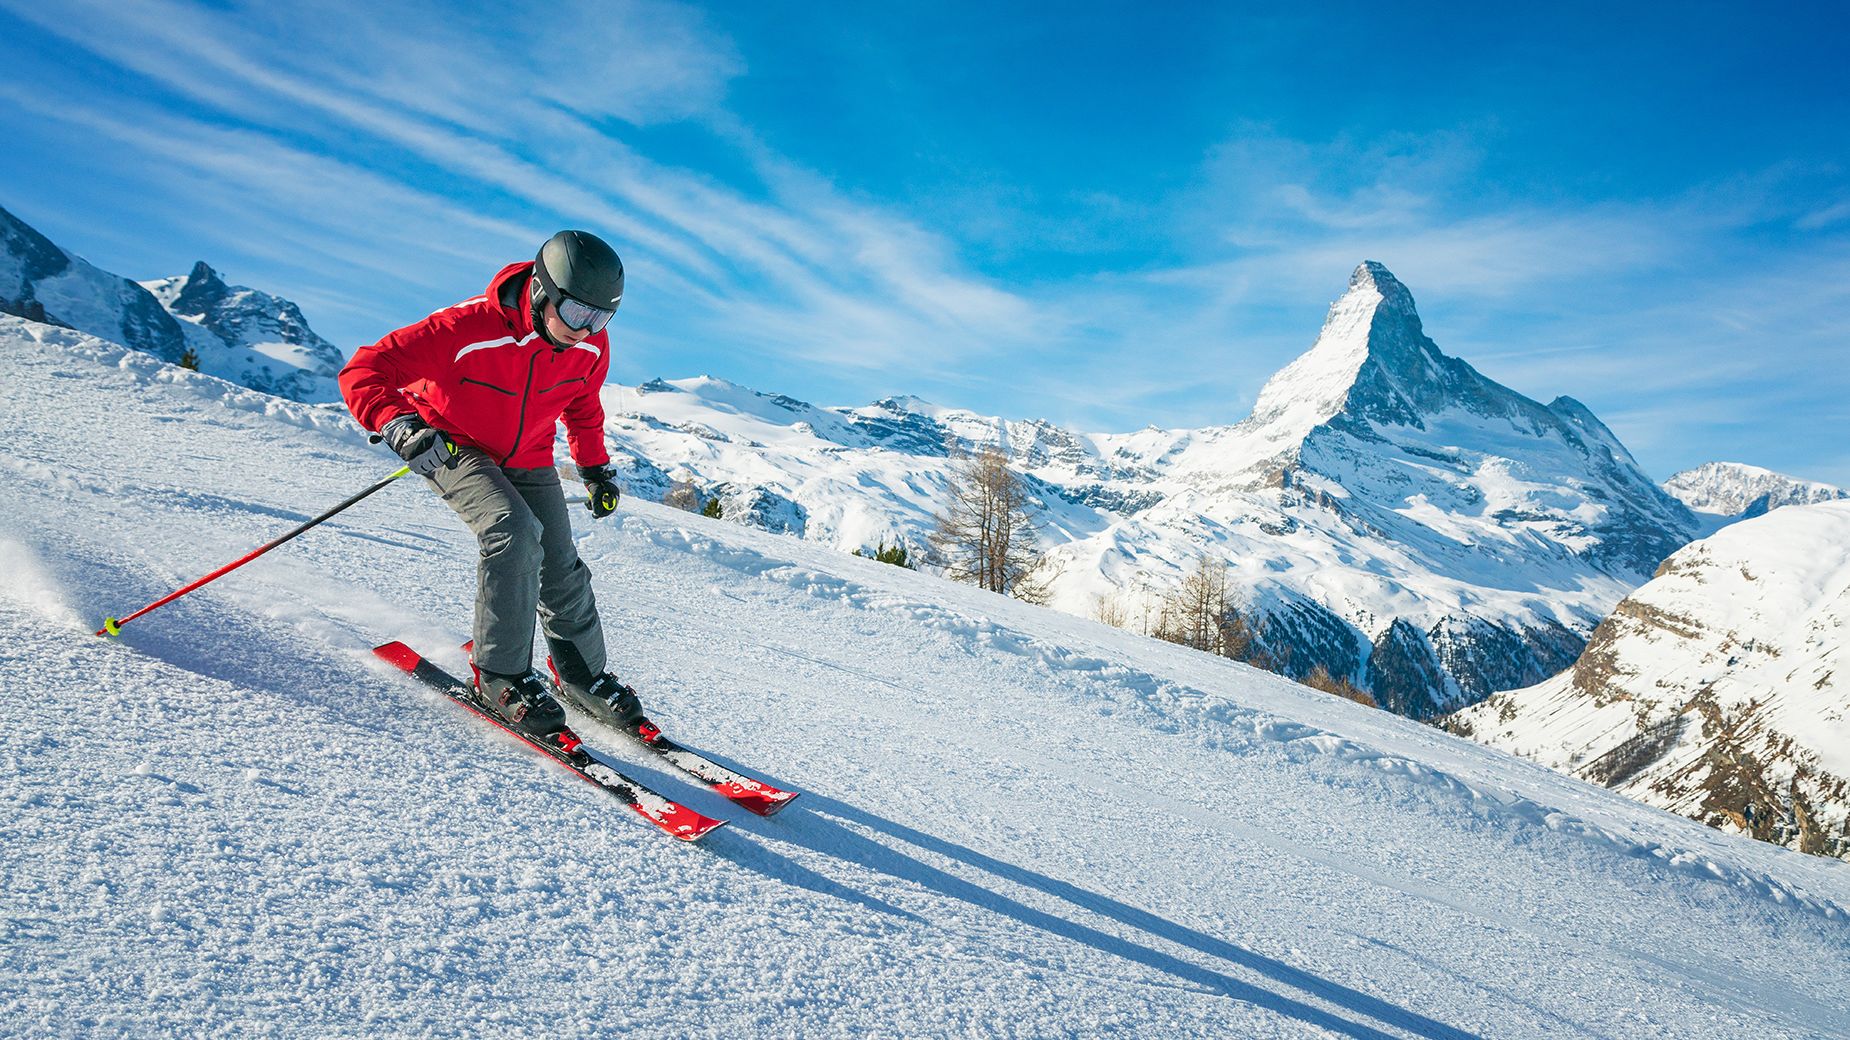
484,384
568,385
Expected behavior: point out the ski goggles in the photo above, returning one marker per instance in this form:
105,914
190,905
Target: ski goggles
582,317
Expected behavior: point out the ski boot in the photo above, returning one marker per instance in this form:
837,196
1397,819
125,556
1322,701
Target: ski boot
522,701
608,701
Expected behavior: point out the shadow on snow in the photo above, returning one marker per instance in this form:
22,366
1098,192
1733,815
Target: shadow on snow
829,828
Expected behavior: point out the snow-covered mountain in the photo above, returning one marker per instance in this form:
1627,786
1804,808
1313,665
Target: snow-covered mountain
1722,492
249,337
42,282
1720,690
1389,513
252,338
1014,822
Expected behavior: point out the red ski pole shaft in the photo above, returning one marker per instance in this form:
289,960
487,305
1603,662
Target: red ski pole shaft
113,626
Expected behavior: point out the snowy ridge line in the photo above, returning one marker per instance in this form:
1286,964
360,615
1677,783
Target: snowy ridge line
146,368
1213,714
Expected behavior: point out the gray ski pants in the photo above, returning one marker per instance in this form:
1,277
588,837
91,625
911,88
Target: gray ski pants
528,564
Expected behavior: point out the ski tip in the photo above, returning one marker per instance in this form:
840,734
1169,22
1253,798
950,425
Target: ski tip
676,820
398,654
775,806
755,796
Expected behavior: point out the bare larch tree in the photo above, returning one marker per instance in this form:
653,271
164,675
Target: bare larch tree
1195,613
985,534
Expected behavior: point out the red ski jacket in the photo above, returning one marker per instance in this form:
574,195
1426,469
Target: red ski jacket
479,372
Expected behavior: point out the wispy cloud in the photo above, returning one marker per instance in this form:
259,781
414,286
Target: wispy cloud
1818,220
369,155
807,271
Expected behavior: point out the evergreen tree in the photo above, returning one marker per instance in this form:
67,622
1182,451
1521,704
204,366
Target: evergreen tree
712,508
189,360
896,555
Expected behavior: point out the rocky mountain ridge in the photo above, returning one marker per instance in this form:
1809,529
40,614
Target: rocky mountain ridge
41,282
253,338
239,334
1729,491
1720,690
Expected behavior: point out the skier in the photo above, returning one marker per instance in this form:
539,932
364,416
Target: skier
470,397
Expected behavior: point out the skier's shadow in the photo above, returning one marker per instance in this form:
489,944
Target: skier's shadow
830,828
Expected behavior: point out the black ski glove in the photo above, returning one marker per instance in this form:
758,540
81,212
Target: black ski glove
425,447
601,484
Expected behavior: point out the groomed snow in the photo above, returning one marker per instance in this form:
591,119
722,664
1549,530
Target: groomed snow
1015,822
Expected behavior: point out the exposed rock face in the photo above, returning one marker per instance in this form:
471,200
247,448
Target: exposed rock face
41,282
251,337
1720,690
764,509
248,337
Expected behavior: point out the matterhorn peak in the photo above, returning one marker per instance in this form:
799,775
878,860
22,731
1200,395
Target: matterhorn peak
1372,335
204,274
1373,276
1375,296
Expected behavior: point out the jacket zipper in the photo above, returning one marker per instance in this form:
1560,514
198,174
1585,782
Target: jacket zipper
520,423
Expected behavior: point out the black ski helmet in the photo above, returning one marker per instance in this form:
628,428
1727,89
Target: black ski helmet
580,265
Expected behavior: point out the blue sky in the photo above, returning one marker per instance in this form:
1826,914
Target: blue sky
1106,215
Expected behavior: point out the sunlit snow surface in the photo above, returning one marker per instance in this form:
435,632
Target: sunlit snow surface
1015,822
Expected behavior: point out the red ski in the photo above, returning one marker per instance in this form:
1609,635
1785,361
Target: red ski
747,792
563,747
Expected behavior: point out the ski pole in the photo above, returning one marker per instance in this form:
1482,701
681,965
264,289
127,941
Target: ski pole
113,626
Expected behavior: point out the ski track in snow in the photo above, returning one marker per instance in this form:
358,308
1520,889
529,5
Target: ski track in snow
1015,822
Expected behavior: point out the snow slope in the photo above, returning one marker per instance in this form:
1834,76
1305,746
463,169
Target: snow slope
1720,690
1016,822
